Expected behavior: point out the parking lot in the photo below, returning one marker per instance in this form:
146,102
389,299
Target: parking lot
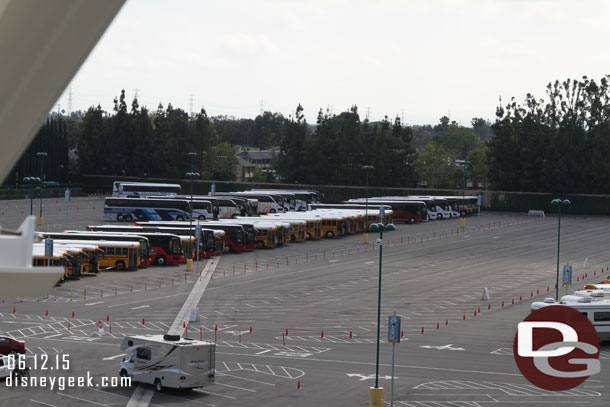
305,315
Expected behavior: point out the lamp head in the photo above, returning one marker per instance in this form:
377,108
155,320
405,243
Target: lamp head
556,202
390,227
374,227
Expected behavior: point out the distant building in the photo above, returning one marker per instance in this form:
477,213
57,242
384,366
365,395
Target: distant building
249,160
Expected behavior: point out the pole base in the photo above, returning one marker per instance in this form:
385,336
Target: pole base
375,396
463,222
365,238
40,220
189,264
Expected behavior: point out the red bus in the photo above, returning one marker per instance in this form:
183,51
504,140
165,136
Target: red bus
167,247
404,211
235,235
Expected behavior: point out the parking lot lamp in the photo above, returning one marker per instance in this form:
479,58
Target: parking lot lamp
31,181
41,155
366,169
379,227
559,203
191,175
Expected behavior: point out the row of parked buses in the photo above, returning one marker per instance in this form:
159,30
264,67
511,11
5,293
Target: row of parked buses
128,247
155,202
411,209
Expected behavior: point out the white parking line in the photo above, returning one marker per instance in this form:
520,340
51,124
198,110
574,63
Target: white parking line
234,387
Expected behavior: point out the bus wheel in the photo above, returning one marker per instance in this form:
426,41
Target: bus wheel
308,236
119,217
412,220
201,217
330,234
120,265
272,211
228,248
123,373
439,216
127,218
260,244
179,217
158,385
161,260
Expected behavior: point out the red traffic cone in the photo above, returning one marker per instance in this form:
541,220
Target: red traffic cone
143,321
531,294
520,298
251,330
350,334
479,310
502,303
299,385
422,329
46,313
475,313
72,314
547,288
215,327
402,333
438,325
446,322
107,318
537,292
286,332
14,310
322,334
464,317
183,324
488,306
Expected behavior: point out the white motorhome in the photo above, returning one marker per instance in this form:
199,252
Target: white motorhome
169,361
596,310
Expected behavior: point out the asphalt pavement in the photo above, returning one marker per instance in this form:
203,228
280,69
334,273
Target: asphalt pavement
306,315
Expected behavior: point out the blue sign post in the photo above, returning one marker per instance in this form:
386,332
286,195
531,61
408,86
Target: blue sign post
394,329
48,250
567,276
394,332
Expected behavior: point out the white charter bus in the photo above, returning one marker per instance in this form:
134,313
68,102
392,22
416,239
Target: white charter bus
144,189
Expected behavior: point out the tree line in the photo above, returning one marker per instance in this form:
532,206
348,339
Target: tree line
560,144
51,139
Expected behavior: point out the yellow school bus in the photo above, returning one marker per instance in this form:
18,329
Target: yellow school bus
311,229
118,255
90,254
72,258
219,236
266,235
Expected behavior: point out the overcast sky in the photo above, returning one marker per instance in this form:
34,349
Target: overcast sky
422,58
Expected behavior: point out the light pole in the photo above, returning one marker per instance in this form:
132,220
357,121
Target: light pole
41,155
463,211
366,169
376,393
559,203
191,175
31,181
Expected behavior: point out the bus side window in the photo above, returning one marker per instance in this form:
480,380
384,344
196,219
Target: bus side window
110,250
